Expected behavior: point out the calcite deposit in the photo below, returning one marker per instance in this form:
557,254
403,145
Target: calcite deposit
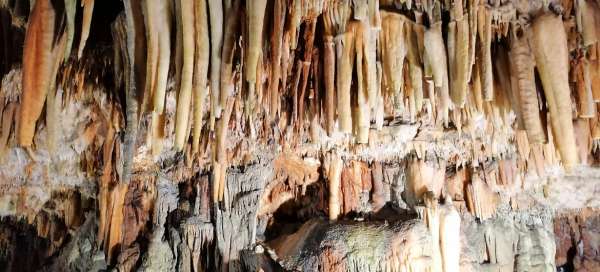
299,135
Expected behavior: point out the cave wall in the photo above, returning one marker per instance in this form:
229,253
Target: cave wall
311,135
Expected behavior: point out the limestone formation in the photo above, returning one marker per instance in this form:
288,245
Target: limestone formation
299,135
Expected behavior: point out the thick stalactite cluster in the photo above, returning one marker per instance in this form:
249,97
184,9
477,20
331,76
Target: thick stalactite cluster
198,127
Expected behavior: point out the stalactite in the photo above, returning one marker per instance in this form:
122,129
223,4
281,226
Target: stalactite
309,38
484,30
481,200
126,31
378,192
393,54
551,55
339,16
379,113
37,68
220,161
429,91
185,90
435,54
329,57
215,11
586,17
314,95
363,111
52,105
88,9
423,177
295,90
279,11
227,51
162,27
158,30
255,17
522,67
580,76
415,67
594,69
459,66
202,57
70,11
504,79
152,54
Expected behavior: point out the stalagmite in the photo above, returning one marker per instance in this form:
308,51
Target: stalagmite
37,68
450,238
185,90
431,216
335,176
88,9
522,67
202,56
551,56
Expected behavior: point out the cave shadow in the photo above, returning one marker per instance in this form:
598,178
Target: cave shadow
21,248
569,266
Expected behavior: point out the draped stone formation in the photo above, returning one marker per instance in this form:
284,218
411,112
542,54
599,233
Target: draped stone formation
299,135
